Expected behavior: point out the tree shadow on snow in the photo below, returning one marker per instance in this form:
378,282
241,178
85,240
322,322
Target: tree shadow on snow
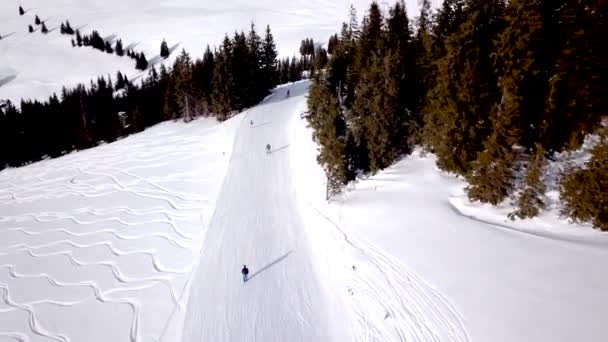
131,46
4,36
5,79
110,39
173,48
52,29
281,258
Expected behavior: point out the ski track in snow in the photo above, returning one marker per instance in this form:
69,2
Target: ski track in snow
105,227
419,312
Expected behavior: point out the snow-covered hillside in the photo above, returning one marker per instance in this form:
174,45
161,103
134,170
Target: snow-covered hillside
98,245
36,65
143,240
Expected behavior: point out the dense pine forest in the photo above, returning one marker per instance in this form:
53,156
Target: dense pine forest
493,88
235,76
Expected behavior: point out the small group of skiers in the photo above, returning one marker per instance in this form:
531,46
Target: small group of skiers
268,147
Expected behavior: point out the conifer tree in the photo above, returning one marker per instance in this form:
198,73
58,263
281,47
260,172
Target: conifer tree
583,190
78,38
457,123
68,28
141,63
37,20
30,28
578,82
294,74
254,90
21,11
518,48
269,64
118,48
182,73
222,87
332,44
164,49
329,131
530,200
44,29
109,48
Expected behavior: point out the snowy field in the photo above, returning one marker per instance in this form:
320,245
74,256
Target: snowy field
98,245
419,262
36,65
143,240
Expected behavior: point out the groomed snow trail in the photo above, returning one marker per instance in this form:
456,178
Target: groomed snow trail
256,222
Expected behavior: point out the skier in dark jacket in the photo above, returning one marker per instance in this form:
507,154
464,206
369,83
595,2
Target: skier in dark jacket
245,272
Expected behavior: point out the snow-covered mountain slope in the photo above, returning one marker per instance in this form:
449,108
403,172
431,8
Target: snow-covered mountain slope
144,239
98,245
431,266
36,65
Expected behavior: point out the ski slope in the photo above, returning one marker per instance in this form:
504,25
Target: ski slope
257,223
143,240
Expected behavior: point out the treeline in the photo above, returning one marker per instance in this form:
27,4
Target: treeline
493,88
237,75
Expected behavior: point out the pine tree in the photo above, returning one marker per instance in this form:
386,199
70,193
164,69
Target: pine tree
62,28
284,71
583,190
109,48
68,28
21,11
141,63
518,48
222,87
329,131
120,82
30,29
170,105
37,20
78,38
203,78
182,73
164,50
44,29
399,42
119,49
239,64
530,199
269,64
332,44
381,119
254,92
456,120
578,82
294,74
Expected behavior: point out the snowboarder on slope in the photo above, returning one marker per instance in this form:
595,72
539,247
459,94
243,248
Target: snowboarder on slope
245,272
267,148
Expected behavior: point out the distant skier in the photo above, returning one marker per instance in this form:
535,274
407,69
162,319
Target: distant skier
287,93
251,122
245,272
267,148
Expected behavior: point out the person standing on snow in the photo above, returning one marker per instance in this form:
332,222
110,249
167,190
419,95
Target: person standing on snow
245,272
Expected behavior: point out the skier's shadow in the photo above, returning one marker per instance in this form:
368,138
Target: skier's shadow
281,258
